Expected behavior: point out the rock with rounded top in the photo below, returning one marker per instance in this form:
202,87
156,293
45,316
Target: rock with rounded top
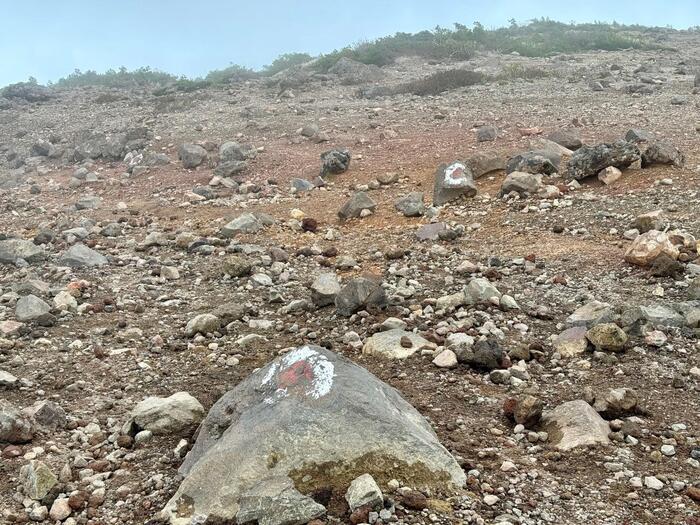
575,424
452,182
607,337
232,151
191,155
638,135
202,324
482,163
480,290
651,220
80,256
609,175
648,246
364,491
166,415
356,205
394,344
446,359
290,419
60,509
660,152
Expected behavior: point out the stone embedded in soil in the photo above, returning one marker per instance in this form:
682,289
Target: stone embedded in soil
13,249
364,491
575,424
356,205
360,293
80,256
452,182
648,246
571,342
290,418
607,337
15,428
391,344
167,415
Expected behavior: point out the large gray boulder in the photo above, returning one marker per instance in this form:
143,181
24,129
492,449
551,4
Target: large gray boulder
352,72
316,418
80,256
12,250
660,152
452,182
590,160
482,163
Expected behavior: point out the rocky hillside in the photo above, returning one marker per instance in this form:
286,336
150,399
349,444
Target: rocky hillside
435,291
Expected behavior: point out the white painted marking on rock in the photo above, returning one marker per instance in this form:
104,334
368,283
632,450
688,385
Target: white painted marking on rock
321,382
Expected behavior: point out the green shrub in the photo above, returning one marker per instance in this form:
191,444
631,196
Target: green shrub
286,61
121,78
230,74
442,81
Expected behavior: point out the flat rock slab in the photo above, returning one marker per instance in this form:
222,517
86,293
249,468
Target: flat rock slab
575,424
394,344
79,256
295,418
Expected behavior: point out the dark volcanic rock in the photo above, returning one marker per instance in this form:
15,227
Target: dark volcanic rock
590,160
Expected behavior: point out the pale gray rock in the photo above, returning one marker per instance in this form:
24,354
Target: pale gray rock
166,415
393,344
364,491
80,256
13,249
324,289
291,418
574,424
453,182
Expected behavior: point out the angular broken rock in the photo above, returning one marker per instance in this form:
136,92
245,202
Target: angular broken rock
358,294
652,220
659,152
482,163
521,183
80,256
275,501
568,138
648,246
574,424
394,344
334,162
571,342
354,207
452,182
167,415
15,428
591,314
536,162
590,160
244,223
37,479
324,289
609,175
291,418
480,290
31,308
364,491
411,205
13,249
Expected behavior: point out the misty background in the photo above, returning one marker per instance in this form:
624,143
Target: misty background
49,40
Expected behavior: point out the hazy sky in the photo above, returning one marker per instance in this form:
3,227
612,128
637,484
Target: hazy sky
50,38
